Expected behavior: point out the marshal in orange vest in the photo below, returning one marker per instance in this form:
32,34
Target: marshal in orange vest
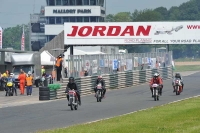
58,62
29,81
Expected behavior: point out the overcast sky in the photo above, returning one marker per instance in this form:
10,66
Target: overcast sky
13,12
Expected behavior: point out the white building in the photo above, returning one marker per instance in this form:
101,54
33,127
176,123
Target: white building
57,12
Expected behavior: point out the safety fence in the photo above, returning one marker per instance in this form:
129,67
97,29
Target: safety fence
110,64
117,80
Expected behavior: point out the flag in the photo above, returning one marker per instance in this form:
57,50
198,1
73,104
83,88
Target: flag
1,34
22,41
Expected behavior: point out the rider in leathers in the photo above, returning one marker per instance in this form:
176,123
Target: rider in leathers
100,80
72,85
177,75
155,80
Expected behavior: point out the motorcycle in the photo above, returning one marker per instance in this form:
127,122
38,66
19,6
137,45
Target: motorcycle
73,99
178,86
9,87
99,92
156,92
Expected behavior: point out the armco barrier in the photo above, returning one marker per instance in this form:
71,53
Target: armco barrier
116,81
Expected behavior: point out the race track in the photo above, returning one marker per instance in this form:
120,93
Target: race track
55,114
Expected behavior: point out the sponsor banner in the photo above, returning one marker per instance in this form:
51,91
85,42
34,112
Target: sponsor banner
23,41
74,11
106,62
94,66
1,34
129,64
120,33
135,61
101,63
115,64
87,64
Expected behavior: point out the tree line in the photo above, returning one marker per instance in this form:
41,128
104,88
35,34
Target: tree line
12,37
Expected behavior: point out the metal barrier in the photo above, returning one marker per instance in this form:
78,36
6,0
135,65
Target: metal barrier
117,81
110,64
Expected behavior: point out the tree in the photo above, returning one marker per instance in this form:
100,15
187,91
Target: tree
163,11
123,17
12,37
110,18
149,15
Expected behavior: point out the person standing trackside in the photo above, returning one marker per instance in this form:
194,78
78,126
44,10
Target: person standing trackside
22,78
42,70
29,83
86,73
66,72
59,67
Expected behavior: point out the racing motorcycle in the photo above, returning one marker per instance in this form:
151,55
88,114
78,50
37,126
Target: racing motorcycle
99,92
73,99
178,86
156,91
9,87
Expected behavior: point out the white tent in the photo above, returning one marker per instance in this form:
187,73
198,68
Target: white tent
47,59
80,52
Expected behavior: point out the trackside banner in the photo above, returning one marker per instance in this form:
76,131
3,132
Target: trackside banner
125,33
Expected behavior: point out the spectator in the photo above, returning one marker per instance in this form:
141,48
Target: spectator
42,70
54,74
59,67
66,72
29,83
142,66
22,78
85,73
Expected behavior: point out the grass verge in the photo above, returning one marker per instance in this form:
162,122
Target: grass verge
187,68
180,117
186,59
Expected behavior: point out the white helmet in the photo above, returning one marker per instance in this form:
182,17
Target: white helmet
12,74
29,72
156,75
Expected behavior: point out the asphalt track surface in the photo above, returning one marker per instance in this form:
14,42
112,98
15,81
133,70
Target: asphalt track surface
56,114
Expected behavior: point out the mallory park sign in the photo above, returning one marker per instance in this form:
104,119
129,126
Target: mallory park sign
72,11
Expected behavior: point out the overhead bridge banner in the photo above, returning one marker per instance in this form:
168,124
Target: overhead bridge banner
128,33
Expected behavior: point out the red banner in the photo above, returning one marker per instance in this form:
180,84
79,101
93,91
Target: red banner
22,41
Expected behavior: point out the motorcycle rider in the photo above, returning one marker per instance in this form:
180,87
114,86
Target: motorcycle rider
100,80
72,85
11,79
155,80
178,76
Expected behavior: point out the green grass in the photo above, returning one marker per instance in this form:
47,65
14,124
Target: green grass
180,117
186,59
187,68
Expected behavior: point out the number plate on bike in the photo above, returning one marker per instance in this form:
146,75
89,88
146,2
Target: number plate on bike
154,85
99,87
71,92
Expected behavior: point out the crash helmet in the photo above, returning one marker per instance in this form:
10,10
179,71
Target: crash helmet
11,74
177,75
155,75
29,72
99,77
71,79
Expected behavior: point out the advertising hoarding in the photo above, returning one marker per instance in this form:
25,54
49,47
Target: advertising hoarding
128,33
1,37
